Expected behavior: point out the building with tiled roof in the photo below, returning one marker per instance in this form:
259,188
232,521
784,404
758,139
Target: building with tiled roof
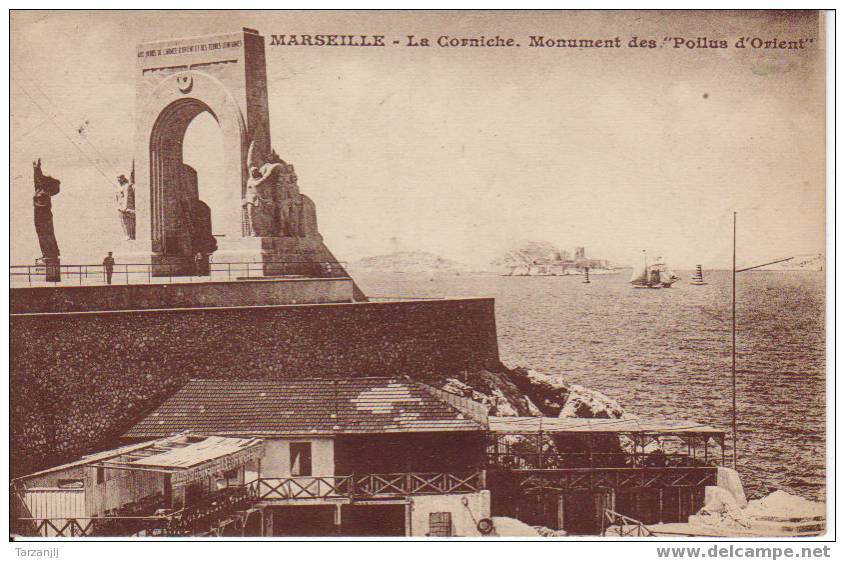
309,407
331,427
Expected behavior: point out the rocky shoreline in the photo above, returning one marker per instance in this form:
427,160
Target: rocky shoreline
523,392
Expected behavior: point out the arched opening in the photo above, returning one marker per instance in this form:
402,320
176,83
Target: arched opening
181,224
203,151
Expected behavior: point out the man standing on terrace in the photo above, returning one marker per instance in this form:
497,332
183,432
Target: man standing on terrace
108,267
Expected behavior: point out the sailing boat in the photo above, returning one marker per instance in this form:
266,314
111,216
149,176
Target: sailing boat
656,275
697,278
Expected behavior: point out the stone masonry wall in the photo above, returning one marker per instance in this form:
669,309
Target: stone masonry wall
180,295
79,380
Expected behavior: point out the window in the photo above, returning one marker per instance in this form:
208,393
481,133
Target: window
300,458
101,475
440,524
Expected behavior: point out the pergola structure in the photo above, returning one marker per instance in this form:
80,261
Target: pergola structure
569,473
553,443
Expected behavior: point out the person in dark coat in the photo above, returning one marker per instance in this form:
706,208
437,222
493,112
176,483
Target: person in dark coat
108,267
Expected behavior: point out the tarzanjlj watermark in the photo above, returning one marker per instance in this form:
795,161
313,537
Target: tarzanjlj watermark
48,552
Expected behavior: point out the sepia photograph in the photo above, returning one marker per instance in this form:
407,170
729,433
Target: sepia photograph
396,274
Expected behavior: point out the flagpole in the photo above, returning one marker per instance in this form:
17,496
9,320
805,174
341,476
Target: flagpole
734,271
733,343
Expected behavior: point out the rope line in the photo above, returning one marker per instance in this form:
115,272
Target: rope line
57,112
61,130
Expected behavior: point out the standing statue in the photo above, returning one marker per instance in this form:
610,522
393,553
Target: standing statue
297,216
288,193
45,188
259,204
124,197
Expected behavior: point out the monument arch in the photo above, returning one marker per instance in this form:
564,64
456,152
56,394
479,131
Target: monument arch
265,218
180,222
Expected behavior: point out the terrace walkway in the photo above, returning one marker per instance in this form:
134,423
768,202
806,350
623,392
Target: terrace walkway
145,273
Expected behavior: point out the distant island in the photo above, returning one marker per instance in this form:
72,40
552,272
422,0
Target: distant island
540,258
409,262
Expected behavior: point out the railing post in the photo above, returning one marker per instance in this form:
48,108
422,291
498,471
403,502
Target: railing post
80,274
149,273
229,269
126,272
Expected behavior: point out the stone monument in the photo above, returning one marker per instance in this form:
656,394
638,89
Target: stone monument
265,218
124,197
46,188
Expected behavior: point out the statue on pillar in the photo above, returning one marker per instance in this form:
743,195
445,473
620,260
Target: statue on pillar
259,205
124,197
45,188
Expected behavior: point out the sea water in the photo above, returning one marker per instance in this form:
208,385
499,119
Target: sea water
667,353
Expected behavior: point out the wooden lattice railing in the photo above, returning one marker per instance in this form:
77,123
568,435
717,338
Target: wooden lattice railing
191,520
591,479
624,525
367,486
204,514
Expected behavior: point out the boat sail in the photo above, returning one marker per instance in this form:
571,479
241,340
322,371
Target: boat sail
656,275
697,277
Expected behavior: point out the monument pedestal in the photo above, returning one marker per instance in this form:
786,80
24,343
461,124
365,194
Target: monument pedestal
276,255
52,268
267,256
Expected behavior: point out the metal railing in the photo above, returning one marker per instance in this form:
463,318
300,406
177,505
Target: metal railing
149,273
367,486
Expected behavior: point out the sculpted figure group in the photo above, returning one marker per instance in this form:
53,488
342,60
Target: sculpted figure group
272,204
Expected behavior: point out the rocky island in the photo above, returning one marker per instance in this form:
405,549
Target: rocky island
409,262
541,258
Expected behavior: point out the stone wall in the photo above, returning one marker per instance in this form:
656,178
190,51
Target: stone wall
75,390
180,295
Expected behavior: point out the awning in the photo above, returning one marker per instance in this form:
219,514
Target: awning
188,457
522,425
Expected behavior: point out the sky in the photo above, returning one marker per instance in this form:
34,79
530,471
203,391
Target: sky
461,152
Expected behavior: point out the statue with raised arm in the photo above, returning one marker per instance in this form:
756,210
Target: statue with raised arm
124,197
259,204
45,188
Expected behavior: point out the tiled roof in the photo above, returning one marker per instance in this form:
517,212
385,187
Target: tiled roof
302,407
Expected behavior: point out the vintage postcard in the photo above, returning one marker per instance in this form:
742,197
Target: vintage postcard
418,274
